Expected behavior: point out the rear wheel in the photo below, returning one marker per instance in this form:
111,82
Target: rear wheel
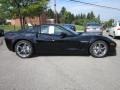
24,49
99,49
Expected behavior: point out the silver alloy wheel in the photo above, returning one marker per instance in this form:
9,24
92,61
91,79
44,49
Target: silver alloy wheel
99,49
23,49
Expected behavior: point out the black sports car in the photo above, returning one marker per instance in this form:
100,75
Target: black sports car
51,38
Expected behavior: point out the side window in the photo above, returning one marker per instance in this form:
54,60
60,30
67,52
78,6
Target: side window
51,29
47,29
32,29
44,29
54,30
59,30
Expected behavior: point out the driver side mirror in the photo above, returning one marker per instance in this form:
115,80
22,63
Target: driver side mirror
63,35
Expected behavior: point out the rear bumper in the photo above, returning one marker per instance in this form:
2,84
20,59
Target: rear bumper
9,44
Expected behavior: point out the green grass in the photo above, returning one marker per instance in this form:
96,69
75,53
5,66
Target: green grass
7,28
12,28
79,28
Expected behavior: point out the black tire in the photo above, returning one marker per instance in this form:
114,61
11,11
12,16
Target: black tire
99,49
24,49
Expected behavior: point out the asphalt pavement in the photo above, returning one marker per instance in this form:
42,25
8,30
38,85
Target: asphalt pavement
59,72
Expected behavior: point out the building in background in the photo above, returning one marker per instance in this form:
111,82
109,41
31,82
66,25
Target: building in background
50,21
29,20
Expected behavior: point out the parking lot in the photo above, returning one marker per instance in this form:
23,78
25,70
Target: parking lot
59,72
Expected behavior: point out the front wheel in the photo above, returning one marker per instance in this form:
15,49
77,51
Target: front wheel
24,49
99,49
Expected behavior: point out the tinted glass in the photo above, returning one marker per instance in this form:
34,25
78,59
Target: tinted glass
32,29
59,30
45,29
54,30
69,26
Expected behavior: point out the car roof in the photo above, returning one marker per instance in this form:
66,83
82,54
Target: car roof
68,24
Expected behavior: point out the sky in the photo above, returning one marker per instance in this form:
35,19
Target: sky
77,8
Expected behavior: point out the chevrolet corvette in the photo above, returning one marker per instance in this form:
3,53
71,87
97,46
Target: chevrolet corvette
53,38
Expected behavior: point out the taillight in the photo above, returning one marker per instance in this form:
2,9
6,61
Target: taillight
118,29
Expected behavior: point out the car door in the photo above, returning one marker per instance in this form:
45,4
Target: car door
50,39
44,38
64,43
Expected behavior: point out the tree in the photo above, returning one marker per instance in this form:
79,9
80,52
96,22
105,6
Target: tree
82,19
66,16
88,16
63,10
98,19
36,8
62,15
50,13
23,8
1,16
108,23
92,16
